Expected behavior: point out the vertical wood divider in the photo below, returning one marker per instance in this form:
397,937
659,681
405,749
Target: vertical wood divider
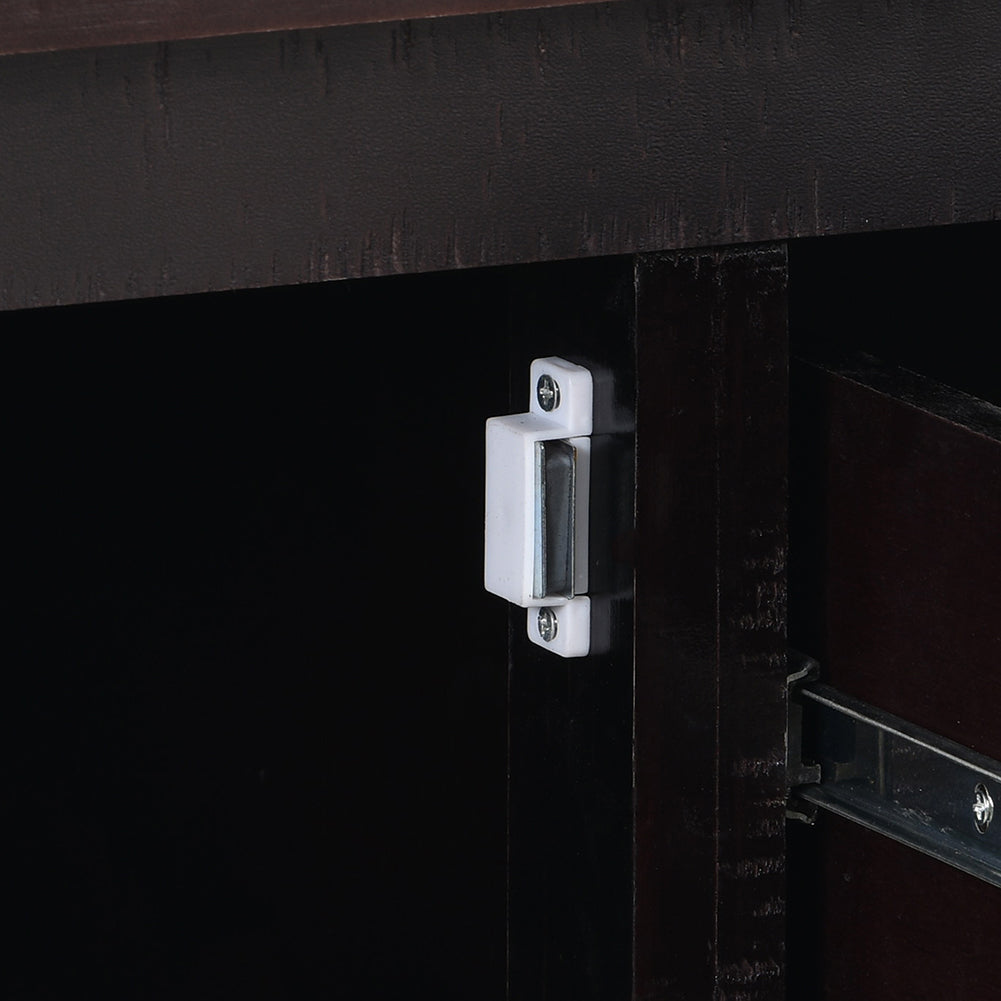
709,709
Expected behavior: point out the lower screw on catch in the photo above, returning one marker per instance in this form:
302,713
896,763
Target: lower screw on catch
548,624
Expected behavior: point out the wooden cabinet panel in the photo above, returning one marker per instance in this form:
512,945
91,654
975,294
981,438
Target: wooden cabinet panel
29,26
197,801
710,625
582,131
897,500
647,796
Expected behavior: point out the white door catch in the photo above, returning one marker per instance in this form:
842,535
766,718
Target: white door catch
537,486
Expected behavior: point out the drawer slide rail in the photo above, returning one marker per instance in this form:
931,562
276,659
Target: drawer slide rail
891,776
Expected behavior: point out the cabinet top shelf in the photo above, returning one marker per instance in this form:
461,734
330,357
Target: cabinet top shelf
52,25
253,159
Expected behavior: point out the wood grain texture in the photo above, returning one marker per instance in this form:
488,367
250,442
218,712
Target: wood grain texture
457,142
50,25
889,923
867,917
897,547
903,479
710,625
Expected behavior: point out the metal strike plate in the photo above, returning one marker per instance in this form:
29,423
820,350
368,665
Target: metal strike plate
536,521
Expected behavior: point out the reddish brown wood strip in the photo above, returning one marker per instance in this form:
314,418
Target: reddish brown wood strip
905,476
893,923
50,25
897,488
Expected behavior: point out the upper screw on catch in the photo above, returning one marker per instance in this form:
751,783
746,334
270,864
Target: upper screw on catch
547,392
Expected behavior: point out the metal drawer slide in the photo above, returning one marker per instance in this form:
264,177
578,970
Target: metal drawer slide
892,777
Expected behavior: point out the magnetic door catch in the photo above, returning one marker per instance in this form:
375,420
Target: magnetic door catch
536,522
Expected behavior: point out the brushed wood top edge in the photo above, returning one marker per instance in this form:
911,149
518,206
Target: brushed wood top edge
911,389
56,25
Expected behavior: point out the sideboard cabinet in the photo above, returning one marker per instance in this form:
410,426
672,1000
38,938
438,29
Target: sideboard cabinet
264,277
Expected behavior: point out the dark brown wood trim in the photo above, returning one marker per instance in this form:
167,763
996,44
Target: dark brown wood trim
710,625
30,26
444,143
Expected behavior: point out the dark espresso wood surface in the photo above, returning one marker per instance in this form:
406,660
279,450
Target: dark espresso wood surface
710,625
897,489
889,923
457,142
903,478
48,25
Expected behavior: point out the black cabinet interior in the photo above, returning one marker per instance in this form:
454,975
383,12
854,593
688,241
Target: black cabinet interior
923,299
261,697
258,692
570,800
260,732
